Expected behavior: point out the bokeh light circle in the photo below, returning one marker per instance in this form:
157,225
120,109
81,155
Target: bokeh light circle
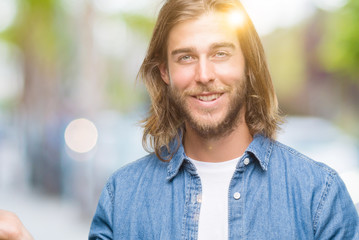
81,135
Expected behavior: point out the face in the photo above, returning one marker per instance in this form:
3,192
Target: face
205,74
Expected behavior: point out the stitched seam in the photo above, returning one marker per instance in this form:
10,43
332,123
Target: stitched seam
110,193
323,198
186,205
269,152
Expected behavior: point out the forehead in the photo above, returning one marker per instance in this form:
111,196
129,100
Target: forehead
203,32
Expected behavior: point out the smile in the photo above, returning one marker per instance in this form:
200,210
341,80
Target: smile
208,98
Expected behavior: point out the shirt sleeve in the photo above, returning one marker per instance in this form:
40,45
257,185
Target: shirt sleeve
336,216
101,226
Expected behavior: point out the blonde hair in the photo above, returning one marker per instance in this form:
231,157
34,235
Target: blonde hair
164,123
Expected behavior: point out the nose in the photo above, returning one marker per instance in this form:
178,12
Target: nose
205,71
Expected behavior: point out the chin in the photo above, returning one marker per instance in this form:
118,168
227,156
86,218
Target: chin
208,121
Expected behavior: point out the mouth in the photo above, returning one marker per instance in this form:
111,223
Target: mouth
208,97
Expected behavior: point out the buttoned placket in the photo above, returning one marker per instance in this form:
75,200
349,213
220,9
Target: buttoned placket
236,200
193,203
194,200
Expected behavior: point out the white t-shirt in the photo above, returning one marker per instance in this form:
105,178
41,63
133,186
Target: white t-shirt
215,180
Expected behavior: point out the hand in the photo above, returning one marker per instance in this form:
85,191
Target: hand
11,228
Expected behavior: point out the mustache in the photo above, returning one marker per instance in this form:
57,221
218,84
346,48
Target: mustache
207,89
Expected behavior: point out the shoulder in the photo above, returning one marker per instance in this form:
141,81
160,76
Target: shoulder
136,165
136,180
318,187
311,179
146,164
137,172
287,156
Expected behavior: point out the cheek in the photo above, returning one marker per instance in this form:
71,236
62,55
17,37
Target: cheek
229,74
229,77
182,78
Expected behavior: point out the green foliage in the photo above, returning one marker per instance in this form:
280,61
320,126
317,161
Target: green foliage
339,51
286,59
35,29
139,23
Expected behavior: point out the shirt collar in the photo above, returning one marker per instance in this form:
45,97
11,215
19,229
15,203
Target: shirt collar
176,162
260,148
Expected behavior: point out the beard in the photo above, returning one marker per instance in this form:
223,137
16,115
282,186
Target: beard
210,129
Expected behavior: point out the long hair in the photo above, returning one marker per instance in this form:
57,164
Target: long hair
164,123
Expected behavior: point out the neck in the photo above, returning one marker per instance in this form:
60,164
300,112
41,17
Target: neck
220,149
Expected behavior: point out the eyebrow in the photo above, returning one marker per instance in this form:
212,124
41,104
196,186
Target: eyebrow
182,50
222,45
213,46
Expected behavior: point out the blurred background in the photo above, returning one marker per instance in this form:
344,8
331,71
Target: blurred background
70,104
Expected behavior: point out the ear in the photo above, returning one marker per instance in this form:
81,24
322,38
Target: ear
164,73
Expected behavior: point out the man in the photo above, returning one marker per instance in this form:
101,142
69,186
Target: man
216,171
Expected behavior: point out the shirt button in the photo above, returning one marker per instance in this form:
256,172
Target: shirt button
246,161
237,195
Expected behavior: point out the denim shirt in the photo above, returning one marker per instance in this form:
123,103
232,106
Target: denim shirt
275,193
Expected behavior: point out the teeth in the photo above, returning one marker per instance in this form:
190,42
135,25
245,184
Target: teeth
208,97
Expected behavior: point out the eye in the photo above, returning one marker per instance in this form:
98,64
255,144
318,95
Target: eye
221,54
185,58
